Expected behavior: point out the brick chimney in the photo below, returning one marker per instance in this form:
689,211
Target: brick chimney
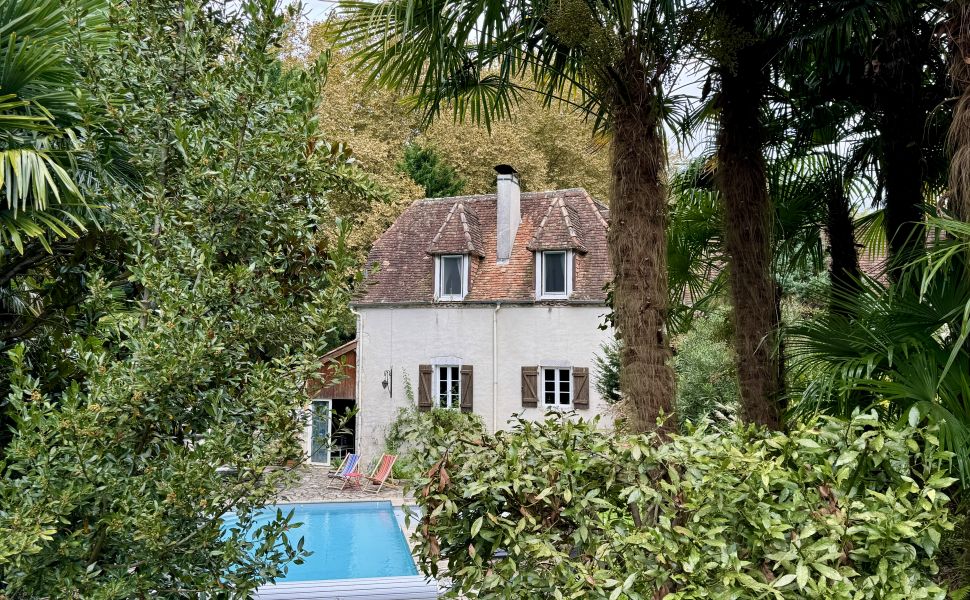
508,212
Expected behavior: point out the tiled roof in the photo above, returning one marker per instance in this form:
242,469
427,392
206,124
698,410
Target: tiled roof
401,265
559,229
461,233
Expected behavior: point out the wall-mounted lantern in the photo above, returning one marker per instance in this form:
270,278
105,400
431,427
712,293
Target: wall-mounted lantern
388,383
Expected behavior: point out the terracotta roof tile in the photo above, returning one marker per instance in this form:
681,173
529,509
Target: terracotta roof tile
400,268
461,233
559,228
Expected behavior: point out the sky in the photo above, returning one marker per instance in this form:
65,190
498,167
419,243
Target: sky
317,10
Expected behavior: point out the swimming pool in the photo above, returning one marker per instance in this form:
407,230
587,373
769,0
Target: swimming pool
348,540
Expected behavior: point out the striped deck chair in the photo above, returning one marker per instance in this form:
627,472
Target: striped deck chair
346,470
375,481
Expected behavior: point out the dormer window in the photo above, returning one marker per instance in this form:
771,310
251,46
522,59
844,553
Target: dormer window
554,274
451,279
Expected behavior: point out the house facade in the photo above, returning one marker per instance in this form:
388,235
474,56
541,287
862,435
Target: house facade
492,304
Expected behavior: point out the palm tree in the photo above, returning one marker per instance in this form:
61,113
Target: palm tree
877,64
43,162
612,60
741,44
901,349
958,29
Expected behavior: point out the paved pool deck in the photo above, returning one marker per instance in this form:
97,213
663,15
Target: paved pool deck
313,483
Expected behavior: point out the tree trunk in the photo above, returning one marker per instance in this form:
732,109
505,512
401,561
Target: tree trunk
844,268
959,136
898,75
748,217
638,249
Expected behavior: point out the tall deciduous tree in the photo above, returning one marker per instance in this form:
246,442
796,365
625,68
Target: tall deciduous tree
551,146
479,58
189,377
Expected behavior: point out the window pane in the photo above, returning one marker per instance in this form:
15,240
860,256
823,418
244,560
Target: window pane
550,398
554,272
443,387
451,275
549,374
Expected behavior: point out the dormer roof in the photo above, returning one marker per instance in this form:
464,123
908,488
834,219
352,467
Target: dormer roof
560,228
460,233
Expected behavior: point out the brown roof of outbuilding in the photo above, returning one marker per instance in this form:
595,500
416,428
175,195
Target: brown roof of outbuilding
401,265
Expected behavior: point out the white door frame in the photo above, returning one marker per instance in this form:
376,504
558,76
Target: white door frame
309,429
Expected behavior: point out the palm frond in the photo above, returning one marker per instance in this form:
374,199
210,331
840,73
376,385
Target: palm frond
896,347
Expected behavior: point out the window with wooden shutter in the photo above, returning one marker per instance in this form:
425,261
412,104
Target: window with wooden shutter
580,387
530,380
466,388
424,387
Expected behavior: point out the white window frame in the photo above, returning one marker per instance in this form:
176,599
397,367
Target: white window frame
541,294
542,383
453,402
439,280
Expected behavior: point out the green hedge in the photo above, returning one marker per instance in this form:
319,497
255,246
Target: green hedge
413,432
558,509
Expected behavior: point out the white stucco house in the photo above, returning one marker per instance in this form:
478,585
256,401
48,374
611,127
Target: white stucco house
492,304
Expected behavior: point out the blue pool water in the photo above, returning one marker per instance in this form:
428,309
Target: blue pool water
347,541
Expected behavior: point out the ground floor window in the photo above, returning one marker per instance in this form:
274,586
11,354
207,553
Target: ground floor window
318,432
557,386
449,386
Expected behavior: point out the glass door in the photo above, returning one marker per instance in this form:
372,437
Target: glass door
318,432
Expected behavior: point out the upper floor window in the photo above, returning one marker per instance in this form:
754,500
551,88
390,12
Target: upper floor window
450,276
554,274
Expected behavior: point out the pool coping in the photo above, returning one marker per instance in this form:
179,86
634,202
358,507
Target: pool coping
395,502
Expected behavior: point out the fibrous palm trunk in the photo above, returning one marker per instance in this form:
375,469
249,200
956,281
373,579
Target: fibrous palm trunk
898,75
844,268
959,135
638,249
748,216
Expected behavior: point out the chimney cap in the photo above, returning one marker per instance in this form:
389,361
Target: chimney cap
505,169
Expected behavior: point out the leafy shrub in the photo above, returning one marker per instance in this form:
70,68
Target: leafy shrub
412,431
606,371
707,384
557,509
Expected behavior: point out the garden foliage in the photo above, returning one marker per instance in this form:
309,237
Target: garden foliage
558,509
412,435
191,370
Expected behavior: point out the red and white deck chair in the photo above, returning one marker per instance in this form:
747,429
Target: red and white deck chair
375,481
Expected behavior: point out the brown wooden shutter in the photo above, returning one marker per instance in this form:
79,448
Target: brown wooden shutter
424,387
581,387
530,382
466,388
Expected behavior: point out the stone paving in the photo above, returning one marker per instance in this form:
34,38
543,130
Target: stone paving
313,487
